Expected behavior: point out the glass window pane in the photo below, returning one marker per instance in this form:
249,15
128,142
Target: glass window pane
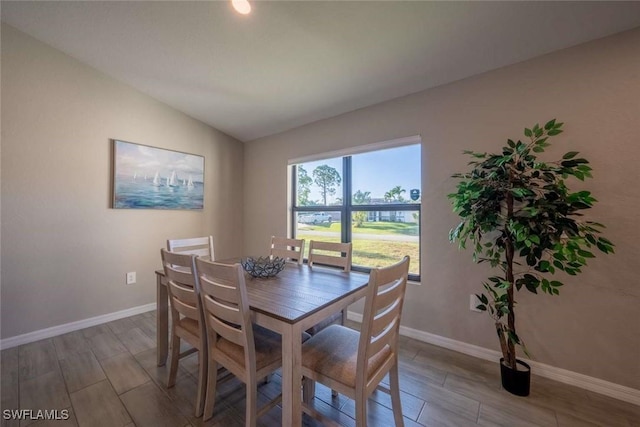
319,183
323,226
387,176
382,238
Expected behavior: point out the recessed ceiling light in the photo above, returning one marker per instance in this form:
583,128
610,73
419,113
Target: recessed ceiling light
241,6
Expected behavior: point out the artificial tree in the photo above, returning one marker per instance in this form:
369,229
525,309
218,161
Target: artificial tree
521,218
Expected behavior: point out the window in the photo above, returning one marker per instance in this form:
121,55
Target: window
371,199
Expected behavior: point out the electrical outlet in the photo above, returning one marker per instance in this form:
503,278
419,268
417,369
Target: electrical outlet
473,302
131,278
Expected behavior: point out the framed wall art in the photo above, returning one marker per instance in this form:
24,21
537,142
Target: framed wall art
147,177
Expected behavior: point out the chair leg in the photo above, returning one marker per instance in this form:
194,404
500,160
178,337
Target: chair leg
202,381
175,355
394,388
212,380
343,320
251,410
361,409
308,390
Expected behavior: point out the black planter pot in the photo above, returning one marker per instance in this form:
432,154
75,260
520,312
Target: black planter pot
516,382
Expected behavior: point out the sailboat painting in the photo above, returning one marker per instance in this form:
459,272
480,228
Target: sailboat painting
175,179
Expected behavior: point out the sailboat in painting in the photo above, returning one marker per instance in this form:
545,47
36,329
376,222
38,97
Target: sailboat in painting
190,183
156,179
172,181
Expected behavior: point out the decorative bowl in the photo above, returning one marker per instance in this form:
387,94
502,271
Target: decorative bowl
263,267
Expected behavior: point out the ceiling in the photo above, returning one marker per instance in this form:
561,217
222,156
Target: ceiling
291,63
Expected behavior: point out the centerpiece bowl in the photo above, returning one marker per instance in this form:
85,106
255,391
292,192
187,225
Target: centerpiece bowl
263,267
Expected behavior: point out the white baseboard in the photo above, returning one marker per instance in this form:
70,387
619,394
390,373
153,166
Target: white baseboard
73,326
595,385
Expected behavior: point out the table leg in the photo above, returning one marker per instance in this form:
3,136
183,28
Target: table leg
291,376
162,320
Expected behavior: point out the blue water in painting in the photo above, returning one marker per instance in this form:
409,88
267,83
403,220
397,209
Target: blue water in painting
143,194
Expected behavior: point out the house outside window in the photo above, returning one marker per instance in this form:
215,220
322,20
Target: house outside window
371,198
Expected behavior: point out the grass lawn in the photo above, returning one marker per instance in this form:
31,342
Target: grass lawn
374,253
405,228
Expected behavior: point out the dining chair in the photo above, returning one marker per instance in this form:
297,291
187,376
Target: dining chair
330,254
187,318
289,249
355,362
247,350
199,246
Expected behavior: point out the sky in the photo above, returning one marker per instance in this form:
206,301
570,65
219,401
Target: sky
377,171
144,160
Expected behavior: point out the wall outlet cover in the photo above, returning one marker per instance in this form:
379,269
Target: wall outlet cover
473,302
131,278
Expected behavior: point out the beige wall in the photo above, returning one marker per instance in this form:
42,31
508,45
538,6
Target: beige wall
593,327
64,251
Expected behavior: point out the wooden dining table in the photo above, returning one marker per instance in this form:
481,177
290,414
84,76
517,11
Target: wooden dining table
296,299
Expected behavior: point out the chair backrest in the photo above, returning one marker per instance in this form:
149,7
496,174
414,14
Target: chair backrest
226,305
199,246
289,249
182,285
328,253
382,311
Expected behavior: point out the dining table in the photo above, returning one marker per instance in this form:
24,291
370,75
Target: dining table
289,303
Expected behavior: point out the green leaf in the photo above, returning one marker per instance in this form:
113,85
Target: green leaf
518,192
570,155
513,337
607,241
549,125
532,287
543,266
545,285
504,285
527,132
559,256
585,254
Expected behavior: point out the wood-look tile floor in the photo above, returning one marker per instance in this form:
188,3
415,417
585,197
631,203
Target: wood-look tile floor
106,375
